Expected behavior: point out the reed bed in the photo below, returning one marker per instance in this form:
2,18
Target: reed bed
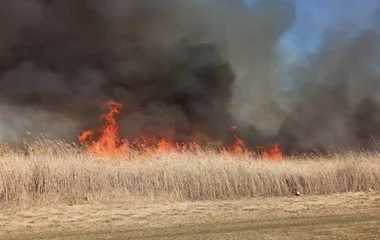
59,172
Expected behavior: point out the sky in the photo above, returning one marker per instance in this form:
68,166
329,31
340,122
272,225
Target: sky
314,17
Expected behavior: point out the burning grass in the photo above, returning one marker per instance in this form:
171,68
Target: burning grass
56,172
105,141
106,168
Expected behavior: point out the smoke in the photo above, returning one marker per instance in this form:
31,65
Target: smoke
338,100
170,63
337,91
196,66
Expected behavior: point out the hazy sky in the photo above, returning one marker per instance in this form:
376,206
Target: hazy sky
316,16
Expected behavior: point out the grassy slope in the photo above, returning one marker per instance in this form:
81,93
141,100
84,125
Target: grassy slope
340,216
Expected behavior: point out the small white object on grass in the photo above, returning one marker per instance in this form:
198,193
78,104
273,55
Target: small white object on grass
298,193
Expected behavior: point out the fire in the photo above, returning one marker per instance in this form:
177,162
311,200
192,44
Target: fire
166,145
105,141
108,142
274,152
238,146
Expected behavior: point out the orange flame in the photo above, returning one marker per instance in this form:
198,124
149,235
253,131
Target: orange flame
108,142
274,153
239,145
167,145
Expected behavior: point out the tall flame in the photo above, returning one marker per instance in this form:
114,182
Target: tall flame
106,141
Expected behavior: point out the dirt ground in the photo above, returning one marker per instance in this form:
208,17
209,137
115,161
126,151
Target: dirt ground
339,216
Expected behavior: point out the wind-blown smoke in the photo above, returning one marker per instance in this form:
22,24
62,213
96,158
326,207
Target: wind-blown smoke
170,63
338,102
196,66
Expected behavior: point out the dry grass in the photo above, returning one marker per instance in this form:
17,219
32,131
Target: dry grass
335,216
60,173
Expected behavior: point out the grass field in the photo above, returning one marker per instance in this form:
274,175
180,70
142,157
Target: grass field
61,174
56,191
337,216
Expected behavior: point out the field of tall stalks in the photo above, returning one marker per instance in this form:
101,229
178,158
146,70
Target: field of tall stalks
59,173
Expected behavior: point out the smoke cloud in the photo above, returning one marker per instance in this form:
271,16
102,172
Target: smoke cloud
196,66
338,96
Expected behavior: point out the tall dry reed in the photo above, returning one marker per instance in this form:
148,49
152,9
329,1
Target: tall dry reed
65,174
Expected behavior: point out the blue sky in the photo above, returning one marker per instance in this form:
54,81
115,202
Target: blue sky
316,16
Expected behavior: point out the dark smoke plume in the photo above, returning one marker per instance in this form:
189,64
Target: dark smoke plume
339,103
170,63
197,66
